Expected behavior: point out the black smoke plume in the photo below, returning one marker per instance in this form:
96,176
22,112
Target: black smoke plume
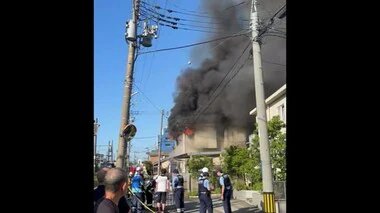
197,87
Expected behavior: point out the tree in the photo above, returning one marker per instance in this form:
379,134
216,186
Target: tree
148,166
196,163
277,146
245,163
239,163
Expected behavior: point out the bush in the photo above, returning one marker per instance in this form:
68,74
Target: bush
240,185
258,186
216,191
192,193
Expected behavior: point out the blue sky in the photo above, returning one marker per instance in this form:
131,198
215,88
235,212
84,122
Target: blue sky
154,74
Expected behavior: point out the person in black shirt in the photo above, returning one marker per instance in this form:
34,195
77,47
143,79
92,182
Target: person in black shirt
99,190
115,188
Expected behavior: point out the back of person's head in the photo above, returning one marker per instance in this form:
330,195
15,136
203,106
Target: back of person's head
163,172
101,175
115,180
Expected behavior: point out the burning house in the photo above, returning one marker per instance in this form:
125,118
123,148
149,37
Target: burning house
215,94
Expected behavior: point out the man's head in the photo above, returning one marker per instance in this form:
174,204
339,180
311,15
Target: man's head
205,174
219,171
116,181
205,169
163,171
175,172
101,175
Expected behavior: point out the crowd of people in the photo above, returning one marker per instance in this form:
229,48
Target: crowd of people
113,195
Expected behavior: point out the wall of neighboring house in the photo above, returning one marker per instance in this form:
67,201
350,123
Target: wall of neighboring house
277,108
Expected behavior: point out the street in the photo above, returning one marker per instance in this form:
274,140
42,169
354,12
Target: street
237,206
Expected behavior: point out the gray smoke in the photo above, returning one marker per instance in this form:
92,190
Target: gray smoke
197,87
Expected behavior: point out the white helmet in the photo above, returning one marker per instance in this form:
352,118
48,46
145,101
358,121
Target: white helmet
205,169
138,169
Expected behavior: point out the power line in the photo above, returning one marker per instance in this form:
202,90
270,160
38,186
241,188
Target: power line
269,62
190,11
220,43
279,12
155,15
155,48
139,138
173,24
179,12
235,5
183,28
147,98
273,35
194,44
225,76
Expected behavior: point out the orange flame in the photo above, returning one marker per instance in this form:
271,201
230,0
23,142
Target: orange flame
188,131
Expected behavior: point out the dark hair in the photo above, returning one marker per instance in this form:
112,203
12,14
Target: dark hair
163,171
101,175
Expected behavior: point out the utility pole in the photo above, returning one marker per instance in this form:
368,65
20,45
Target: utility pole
123,141
261,118
128,155
110,152
159,142
133,40
96,127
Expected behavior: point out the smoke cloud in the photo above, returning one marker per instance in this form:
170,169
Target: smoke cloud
194,99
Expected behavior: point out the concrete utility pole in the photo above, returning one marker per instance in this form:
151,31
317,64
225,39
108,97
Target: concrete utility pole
261,119
159,142
122,146
96,127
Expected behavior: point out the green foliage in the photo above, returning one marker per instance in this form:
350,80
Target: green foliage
192,193
257,186
277,146
149,167
240,185
197,163
217,190
240,163
244,164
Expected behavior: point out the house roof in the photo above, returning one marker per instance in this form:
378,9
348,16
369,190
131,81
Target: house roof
272,98
187,155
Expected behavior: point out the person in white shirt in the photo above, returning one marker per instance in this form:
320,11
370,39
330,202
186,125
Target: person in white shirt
162,186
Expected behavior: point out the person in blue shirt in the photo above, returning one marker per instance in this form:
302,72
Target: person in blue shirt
226,190
204,193
179,192
137,190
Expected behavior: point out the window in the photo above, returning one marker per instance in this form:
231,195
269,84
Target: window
282,112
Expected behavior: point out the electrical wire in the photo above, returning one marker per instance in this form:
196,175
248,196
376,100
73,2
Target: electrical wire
147,98
191,45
